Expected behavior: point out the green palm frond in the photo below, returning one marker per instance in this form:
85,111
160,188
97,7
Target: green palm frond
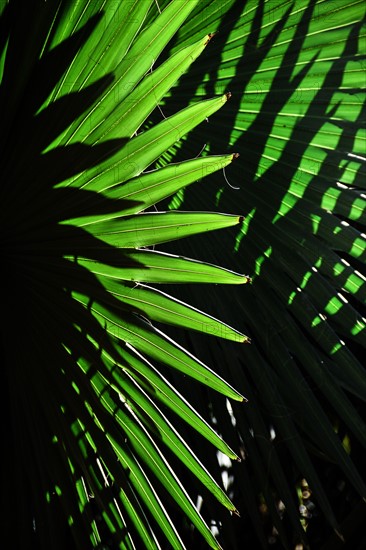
95,423
111,111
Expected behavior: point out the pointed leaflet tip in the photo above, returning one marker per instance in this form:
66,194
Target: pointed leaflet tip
238,397
235,156
242,399
228,95
209,37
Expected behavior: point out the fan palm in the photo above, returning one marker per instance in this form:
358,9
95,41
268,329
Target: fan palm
102,445
296,71
90,439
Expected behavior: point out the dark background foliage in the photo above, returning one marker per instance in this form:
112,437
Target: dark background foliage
289,373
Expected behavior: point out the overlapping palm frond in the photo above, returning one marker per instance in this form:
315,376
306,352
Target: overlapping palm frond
103,406
296,71
91,436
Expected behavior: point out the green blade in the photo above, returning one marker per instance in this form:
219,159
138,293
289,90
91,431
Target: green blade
163,308
151,187
141,151
139,59
158,346
149,453
128,116
148,377
155,228
147,412
158,267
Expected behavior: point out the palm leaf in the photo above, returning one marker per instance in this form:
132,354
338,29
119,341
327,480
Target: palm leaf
96,425
296,117
98,432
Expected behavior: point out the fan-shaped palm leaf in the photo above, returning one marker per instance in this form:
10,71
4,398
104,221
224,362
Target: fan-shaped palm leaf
296,71
91,437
